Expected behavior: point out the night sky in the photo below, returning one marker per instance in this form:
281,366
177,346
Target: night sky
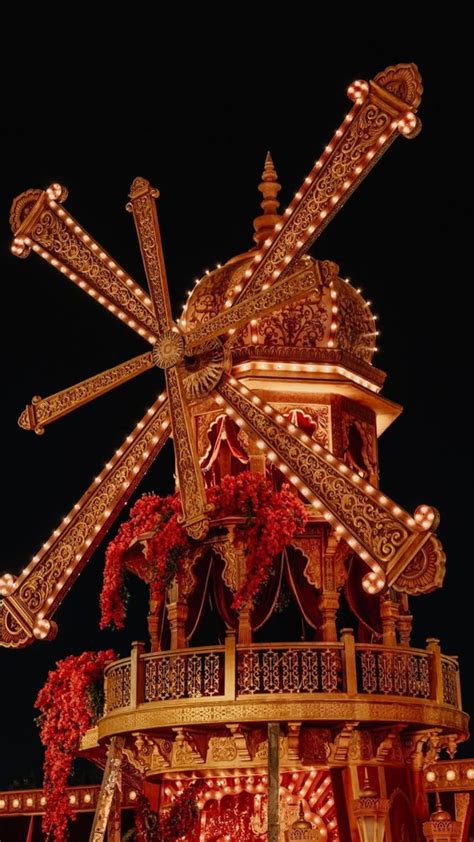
203,143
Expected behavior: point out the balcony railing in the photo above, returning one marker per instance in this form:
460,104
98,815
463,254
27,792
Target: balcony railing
233,672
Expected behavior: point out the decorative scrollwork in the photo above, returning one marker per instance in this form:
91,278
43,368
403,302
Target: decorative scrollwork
403,81
191,484
205,368
168,349
67,551
352,153
45,410
382,533
426,570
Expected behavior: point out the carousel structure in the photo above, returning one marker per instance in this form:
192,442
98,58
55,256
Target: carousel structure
279,697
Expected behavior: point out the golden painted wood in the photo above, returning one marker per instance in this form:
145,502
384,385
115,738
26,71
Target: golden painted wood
363,137
305,279
43,411
40,223
273,781
383,533
30,600
143,207
191,483
46,228
108,789
169,353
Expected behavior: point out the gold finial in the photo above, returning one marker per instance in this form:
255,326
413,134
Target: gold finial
439,814
269,188
301,823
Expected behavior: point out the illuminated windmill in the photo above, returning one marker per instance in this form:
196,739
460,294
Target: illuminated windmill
199,364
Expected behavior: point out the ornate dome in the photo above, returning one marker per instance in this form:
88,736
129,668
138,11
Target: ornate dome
332,319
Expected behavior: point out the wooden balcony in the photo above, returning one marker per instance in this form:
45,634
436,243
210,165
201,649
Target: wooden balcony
315,682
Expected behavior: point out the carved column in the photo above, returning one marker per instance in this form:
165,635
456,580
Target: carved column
137,674
153,629
245,629
177,609
329,599
436,670
328,605
389,613
405,625
114,826
349,664
273,781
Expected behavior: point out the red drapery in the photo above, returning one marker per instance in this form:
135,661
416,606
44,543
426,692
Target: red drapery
223,441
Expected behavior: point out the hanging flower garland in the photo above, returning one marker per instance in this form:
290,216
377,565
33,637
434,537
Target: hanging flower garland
180,820
69,706
271,520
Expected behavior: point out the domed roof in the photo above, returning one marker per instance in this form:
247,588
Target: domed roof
333,318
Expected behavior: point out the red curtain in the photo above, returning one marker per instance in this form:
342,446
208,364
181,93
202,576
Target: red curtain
223,441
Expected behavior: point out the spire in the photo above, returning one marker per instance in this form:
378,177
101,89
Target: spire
269,188
439,814
301,823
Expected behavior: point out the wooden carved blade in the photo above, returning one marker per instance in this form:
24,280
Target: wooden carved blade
385,537
40,223
43,411
384,108
143,206
191,483
305,279
30,600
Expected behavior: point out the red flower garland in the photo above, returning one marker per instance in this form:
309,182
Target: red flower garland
179,822
67,711
272,518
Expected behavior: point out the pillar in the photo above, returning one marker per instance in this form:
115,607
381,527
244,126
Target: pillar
273,781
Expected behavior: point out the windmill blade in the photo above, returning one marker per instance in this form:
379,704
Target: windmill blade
30,600
43,411
168,354
385,537
191,483
143,206
39,223
304,280
383,109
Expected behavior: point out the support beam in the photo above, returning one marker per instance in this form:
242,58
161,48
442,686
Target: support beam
273,781
110,781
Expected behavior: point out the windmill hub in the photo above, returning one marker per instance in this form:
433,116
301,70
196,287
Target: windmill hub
169,349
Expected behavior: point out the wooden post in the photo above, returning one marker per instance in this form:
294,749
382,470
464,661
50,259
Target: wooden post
177,609
436,670
458,684
229,666
273,781
349,662
245,629
110,781
177,616
405,624
114,826
389,614
137,675
328,605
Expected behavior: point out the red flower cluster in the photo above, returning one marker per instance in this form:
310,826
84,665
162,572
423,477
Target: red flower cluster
150,513
271,520
67,711
179,822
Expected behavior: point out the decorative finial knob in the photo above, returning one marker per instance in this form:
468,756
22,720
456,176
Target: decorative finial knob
269,188
439,814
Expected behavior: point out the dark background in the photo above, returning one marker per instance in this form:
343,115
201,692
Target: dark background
202,139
